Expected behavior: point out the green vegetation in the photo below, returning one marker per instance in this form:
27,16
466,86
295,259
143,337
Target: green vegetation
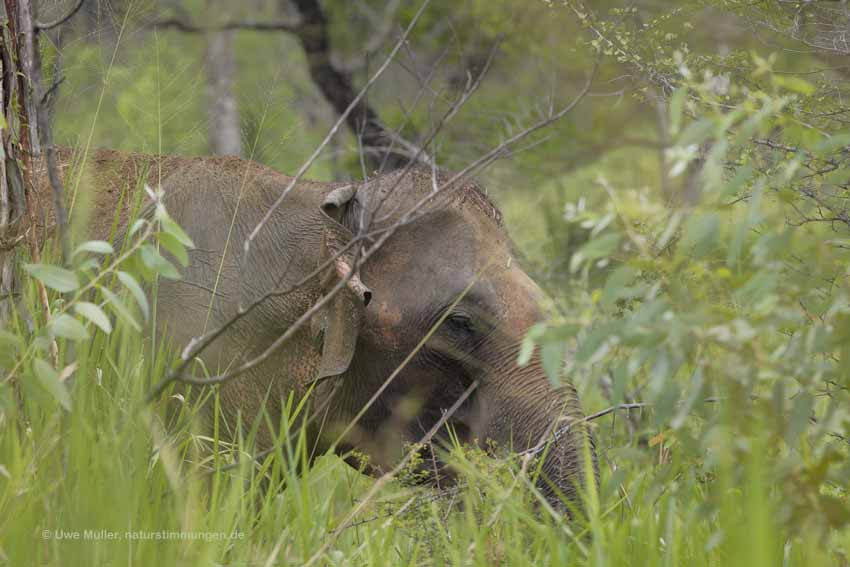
692,230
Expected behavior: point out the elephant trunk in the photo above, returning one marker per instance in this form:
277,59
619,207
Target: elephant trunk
563,475
527,414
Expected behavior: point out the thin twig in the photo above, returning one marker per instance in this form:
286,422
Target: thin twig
189,27
385,234
332,132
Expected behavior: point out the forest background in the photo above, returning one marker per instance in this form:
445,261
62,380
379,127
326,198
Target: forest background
689,217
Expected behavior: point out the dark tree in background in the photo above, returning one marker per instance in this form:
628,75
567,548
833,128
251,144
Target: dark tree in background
310,23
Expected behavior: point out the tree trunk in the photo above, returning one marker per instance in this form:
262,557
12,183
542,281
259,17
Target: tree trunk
224,134
7,254
25,132
382,147
15,134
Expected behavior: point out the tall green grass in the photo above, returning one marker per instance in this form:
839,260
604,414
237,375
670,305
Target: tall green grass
116,467
168,492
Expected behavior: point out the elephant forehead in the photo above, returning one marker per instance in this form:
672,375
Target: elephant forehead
522,299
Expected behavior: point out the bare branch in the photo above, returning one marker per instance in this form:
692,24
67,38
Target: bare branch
335,128
381,236
259,359
189,27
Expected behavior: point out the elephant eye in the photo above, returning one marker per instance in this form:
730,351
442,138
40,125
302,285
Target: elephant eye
460,323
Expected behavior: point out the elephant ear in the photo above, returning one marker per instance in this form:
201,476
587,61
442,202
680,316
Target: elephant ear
341,317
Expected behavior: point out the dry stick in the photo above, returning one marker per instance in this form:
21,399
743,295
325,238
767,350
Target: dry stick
435,130
188,27
332,132
408,118
199,344
383,30
389,476
490,156
374,397
495,152
453,109
558,433
262,357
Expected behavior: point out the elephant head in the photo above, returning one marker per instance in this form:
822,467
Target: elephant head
445,287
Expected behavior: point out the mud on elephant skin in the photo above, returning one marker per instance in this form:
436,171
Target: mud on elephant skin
446,274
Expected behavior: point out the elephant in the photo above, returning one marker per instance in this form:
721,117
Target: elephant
439,304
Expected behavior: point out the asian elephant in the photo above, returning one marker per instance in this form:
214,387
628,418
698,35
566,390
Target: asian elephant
447,268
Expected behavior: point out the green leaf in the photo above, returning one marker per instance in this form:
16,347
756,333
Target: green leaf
138,293
701,233
54,277
95,247
95,314
11,339
597,248
801,409
10,345
617,284
794,84
120,309
831,144
49,379
89,264
154,261
697,132
65,326
595,342
677,106
552,358
526,349
174,246
137,226
172,228
684,409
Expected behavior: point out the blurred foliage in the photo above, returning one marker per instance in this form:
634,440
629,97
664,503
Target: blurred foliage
689,219
726,311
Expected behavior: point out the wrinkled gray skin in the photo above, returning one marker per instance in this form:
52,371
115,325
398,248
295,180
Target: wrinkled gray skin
414,278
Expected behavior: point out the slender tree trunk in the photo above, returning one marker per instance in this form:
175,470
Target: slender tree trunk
7,255
223,114
16,152
25,112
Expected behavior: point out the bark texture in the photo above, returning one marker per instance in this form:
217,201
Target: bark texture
223,114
